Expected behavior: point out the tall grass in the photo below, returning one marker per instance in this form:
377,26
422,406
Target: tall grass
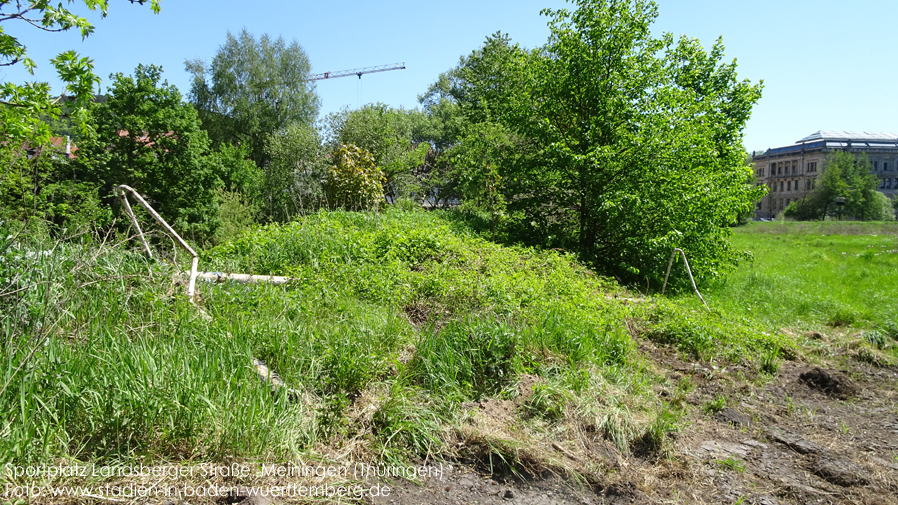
391,323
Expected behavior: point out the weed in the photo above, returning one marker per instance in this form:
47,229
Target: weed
657,433
616,425
876,338
790,406
732,463
716,405
842,316
406,423
684,387
547,402
844,428
770,361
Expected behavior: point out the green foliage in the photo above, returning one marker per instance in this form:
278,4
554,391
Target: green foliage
25,107
882,209
476,162
252,89
632,144
470,359
770,361
148,139
732,463
876,338
844,175
44,188
656,436
406,423
235,213
547,401
292,182
716,405
353,181
387,134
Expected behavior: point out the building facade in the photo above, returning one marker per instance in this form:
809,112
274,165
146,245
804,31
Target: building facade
790,172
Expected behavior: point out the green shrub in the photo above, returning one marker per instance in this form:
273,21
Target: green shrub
354,182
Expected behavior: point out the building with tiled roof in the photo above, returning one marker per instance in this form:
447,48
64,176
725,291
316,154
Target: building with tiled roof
790,172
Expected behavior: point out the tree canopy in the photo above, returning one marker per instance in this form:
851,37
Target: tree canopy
252,89
27,106
389,135
630,145
845,176
148,139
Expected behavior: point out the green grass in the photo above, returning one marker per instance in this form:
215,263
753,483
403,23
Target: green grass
812,274
392,322
393,325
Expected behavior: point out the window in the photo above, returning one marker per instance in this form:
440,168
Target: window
885,166
788,185
882,184
781,185
875,165
812,166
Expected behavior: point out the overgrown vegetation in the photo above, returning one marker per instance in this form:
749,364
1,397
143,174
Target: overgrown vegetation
406,313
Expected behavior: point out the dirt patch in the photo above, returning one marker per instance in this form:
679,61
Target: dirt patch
789,439
839,471
830,383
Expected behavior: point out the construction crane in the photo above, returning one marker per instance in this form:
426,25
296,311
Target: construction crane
356,71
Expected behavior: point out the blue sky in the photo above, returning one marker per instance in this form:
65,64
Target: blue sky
826,64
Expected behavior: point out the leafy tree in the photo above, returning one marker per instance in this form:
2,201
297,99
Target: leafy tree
292,181
148,139
633,143
252,89
354,182
883,208
476,162
26,106
388,135
843,175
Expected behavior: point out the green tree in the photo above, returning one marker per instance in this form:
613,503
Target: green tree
388,134
46,188
484,152
843,175
148,139
26,106
252,89
633,142
292,181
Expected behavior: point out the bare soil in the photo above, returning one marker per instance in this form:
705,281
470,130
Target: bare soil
812,434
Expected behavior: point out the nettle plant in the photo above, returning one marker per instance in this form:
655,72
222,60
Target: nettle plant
354,182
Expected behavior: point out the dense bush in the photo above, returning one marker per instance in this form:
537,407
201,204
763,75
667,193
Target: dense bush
354,182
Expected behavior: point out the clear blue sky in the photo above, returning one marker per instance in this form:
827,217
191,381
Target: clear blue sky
826,64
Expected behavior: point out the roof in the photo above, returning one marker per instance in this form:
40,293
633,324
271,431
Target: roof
852,136
829,139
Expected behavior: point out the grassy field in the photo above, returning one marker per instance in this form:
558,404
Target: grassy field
403,337
808,275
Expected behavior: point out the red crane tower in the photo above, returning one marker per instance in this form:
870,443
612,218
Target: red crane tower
356,71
